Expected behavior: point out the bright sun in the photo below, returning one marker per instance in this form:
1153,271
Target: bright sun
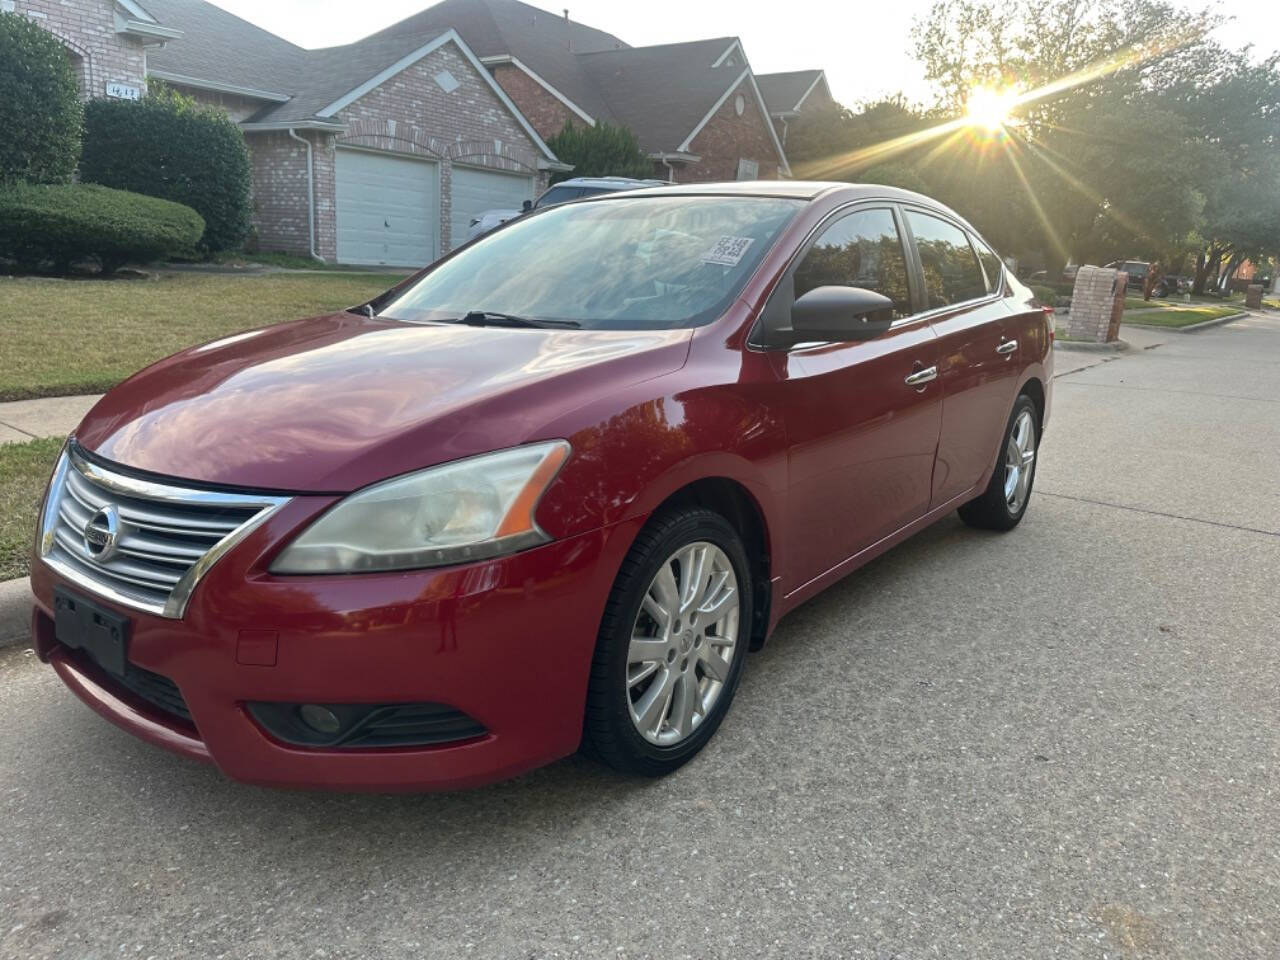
991,108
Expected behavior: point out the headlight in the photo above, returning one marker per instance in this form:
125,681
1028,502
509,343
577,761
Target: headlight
468,510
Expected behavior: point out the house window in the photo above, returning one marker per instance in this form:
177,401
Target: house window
739,104
748,170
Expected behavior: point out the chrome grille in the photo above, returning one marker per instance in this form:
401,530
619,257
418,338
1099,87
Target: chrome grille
163,538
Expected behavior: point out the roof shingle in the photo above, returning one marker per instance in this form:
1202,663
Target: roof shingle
782,91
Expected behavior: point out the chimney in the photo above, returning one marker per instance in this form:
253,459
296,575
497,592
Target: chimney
566,14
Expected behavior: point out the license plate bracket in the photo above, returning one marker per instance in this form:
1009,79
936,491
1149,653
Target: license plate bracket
83,625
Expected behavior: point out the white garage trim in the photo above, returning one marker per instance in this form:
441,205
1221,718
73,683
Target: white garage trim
388,208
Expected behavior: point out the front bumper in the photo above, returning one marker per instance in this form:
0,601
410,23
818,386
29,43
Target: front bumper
507,641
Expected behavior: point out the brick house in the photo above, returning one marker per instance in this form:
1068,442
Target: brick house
383,150
376,152
695,106
106,40
787,95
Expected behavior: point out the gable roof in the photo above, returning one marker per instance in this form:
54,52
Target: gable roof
223,49
660,92
664,93
539,39
785,92
299,86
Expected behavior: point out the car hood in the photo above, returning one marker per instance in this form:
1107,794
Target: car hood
335,403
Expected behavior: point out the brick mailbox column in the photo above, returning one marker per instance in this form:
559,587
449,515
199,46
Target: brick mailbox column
1097,304
1253,296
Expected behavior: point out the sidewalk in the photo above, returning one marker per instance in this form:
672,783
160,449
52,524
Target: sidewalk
23,420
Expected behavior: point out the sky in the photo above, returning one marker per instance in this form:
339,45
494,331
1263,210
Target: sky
863,46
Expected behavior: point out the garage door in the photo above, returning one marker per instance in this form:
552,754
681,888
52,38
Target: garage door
388,209
475,191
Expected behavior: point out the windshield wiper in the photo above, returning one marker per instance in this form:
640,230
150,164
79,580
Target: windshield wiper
490,318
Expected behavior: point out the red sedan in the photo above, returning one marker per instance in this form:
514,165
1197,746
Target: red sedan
546,494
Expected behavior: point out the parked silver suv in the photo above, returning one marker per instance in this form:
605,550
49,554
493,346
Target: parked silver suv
580,187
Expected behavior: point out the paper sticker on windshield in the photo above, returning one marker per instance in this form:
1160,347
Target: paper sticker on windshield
728,251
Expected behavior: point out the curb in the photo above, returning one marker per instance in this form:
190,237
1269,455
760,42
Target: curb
15,612
1195,327
1085,346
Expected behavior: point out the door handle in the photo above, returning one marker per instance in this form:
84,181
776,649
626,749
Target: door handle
921,377
1007,347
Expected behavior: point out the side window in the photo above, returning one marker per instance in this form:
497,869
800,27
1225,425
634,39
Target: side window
860,250
991,264
951,271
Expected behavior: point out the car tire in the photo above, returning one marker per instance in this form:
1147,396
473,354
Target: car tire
1004,503
622,699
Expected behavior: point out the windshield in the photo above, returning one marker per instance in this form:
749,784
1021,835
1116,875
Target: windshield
636,263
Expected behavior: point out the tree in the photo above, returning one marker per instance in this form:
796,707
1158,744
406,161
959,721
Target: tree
602,150
1232,103
1137,127
40,113
168,146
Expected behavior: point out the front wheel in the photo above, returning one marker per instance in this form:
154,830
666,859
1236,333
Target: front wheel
1004,502
671,645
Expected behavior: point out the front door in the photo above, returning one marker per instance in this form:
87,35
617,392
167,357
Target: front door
862,438
977,365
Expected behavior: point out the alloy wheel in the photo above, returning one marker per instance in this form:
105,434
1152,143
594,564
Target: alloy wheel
1019,461
682,643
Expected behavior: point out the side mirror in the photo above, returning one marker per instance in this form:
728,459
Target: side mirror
526,206
840,313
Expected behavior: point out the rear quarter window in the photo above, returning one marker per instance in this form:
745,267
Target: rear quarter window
951,270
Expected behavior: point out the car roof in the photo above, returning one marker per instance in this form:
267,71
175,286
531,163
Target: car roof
798,190
608,183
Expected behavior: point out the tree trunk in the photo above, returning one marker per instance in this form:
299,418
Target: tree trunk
1224,281
1206,264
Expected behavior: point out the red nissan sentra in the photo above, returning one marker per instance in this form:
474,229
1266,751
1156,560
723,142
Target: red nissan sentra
546,494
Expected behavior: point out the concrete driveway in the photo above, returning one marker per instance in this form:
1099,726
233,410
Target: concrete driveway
1062,742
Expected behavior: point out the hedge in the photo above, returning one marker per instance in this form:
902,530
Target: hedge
166,145
40,112
58,225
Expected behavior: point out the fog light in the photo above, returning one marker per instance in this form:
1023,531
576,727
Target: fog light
320,719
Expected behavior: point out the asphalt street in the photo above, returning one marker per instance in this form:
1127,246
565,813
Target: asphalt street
1060,742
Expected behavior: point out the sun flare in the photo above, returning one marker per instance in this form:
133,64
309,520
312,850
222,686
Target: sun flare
990,108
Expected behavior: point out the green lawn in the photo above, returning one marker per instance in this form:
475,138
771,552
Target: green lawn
60,337
24,471
1181,316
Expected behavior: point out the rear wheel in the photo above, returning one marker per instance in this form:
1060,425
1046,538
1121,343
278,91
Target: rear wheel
671,645
1004,502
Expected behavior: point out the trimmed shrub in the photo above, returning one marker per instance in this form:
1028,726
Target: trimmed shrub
1044,294
40,112
168,146
62,224
605,150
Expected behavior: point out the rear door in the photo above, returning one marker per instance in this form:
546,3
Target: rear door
978,356
861,438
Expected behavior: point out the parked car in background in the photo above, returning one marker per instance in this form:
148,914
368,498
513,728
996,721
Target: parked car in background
486,221
548,492
581,187
1137,271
